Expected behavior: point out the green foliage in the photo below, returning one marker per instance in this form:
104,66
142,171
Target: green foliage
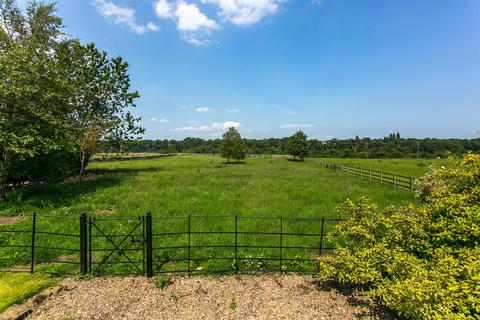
232,145
101,97
423,261
335,148
58,98
33,85
232,305
163,281
297,145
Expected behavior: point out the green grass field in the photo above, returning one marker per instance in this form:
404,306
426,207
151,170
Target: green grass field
14,288
189,185
408,167
202,186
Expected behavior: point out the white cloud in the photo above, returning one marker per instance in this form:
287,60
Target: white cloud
203,109
164,9
195,27
120,15
161,120
209,127
245,12
152,26
296,125
235,110
190,18
193,24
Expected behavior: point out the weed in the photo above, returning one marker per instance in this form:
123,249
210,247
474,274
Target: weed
163,281
233,304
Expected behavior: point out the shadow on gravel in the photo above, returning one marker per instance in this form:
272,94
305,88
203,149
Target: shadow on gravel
355,299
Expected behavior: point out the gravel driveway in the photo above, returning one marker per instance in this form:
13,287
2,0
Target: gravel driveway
205,297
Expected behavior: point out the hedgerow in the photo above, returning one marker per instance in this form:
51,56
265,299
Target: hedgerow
421,260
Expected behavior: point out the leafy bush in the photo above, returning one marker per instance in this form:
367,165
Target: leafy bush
422,261
163,281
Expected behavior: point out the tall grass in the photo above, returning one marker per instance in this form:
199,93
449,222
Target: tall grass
182,186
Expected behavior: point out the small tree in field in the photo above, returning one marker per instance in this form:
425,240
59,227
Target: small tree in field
232,145
297,145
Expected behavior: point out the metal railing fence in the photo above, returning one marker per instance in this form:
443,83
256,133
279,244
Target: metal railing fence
149,245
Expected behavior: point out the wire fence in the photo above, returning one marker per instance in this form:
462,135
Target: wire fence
148,245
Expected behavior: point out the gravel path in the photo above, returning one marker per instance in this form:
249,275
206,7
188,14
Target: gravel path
204,297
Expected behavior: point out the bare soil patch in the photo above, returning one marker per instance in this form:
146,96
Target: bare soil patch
9,220
207,297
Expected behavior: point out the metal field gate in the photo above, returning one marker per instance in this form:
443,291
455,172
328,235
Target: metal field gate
148,245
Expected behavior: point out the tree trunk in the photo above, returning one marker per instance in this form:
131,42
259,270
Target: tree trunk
3,192
228,159
3,176
82,163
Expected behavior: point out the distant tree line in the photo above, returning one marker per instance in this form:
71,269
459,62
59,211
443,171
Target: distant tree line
388,147
58,98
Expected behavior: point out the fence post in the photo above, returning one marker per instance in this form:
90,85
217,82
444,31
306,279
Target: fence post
381,176
149,243
189,249
281,243
361,173
90,244
394,181
370,174
32,258
83,243
236,243
321,237
411,184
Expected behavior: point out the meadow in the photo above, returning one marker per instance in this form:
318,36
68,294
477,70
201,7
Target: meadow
178,187
190,185
200,185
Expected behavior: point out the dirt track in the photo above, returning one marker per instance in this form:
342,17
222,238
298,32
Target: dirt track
228,297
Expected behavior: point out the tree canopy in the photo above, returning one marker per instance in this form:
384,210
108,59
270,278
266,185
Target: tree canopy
297,145
333,148
58,98
232,145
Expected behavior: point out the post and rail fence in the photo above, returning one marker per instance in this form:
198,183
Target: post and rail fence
394,179
150,245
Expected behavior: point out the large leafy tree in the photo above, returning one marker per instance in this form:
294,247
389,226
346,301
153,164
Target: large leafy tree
58,98
232,145
101,100
33,85
297,145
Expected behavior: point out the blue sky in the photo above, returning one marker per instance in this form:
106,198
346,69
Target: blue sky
333,68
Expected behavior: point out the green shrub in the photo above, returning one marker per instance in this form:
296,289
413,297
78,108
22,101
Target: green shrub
163,281
422,261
